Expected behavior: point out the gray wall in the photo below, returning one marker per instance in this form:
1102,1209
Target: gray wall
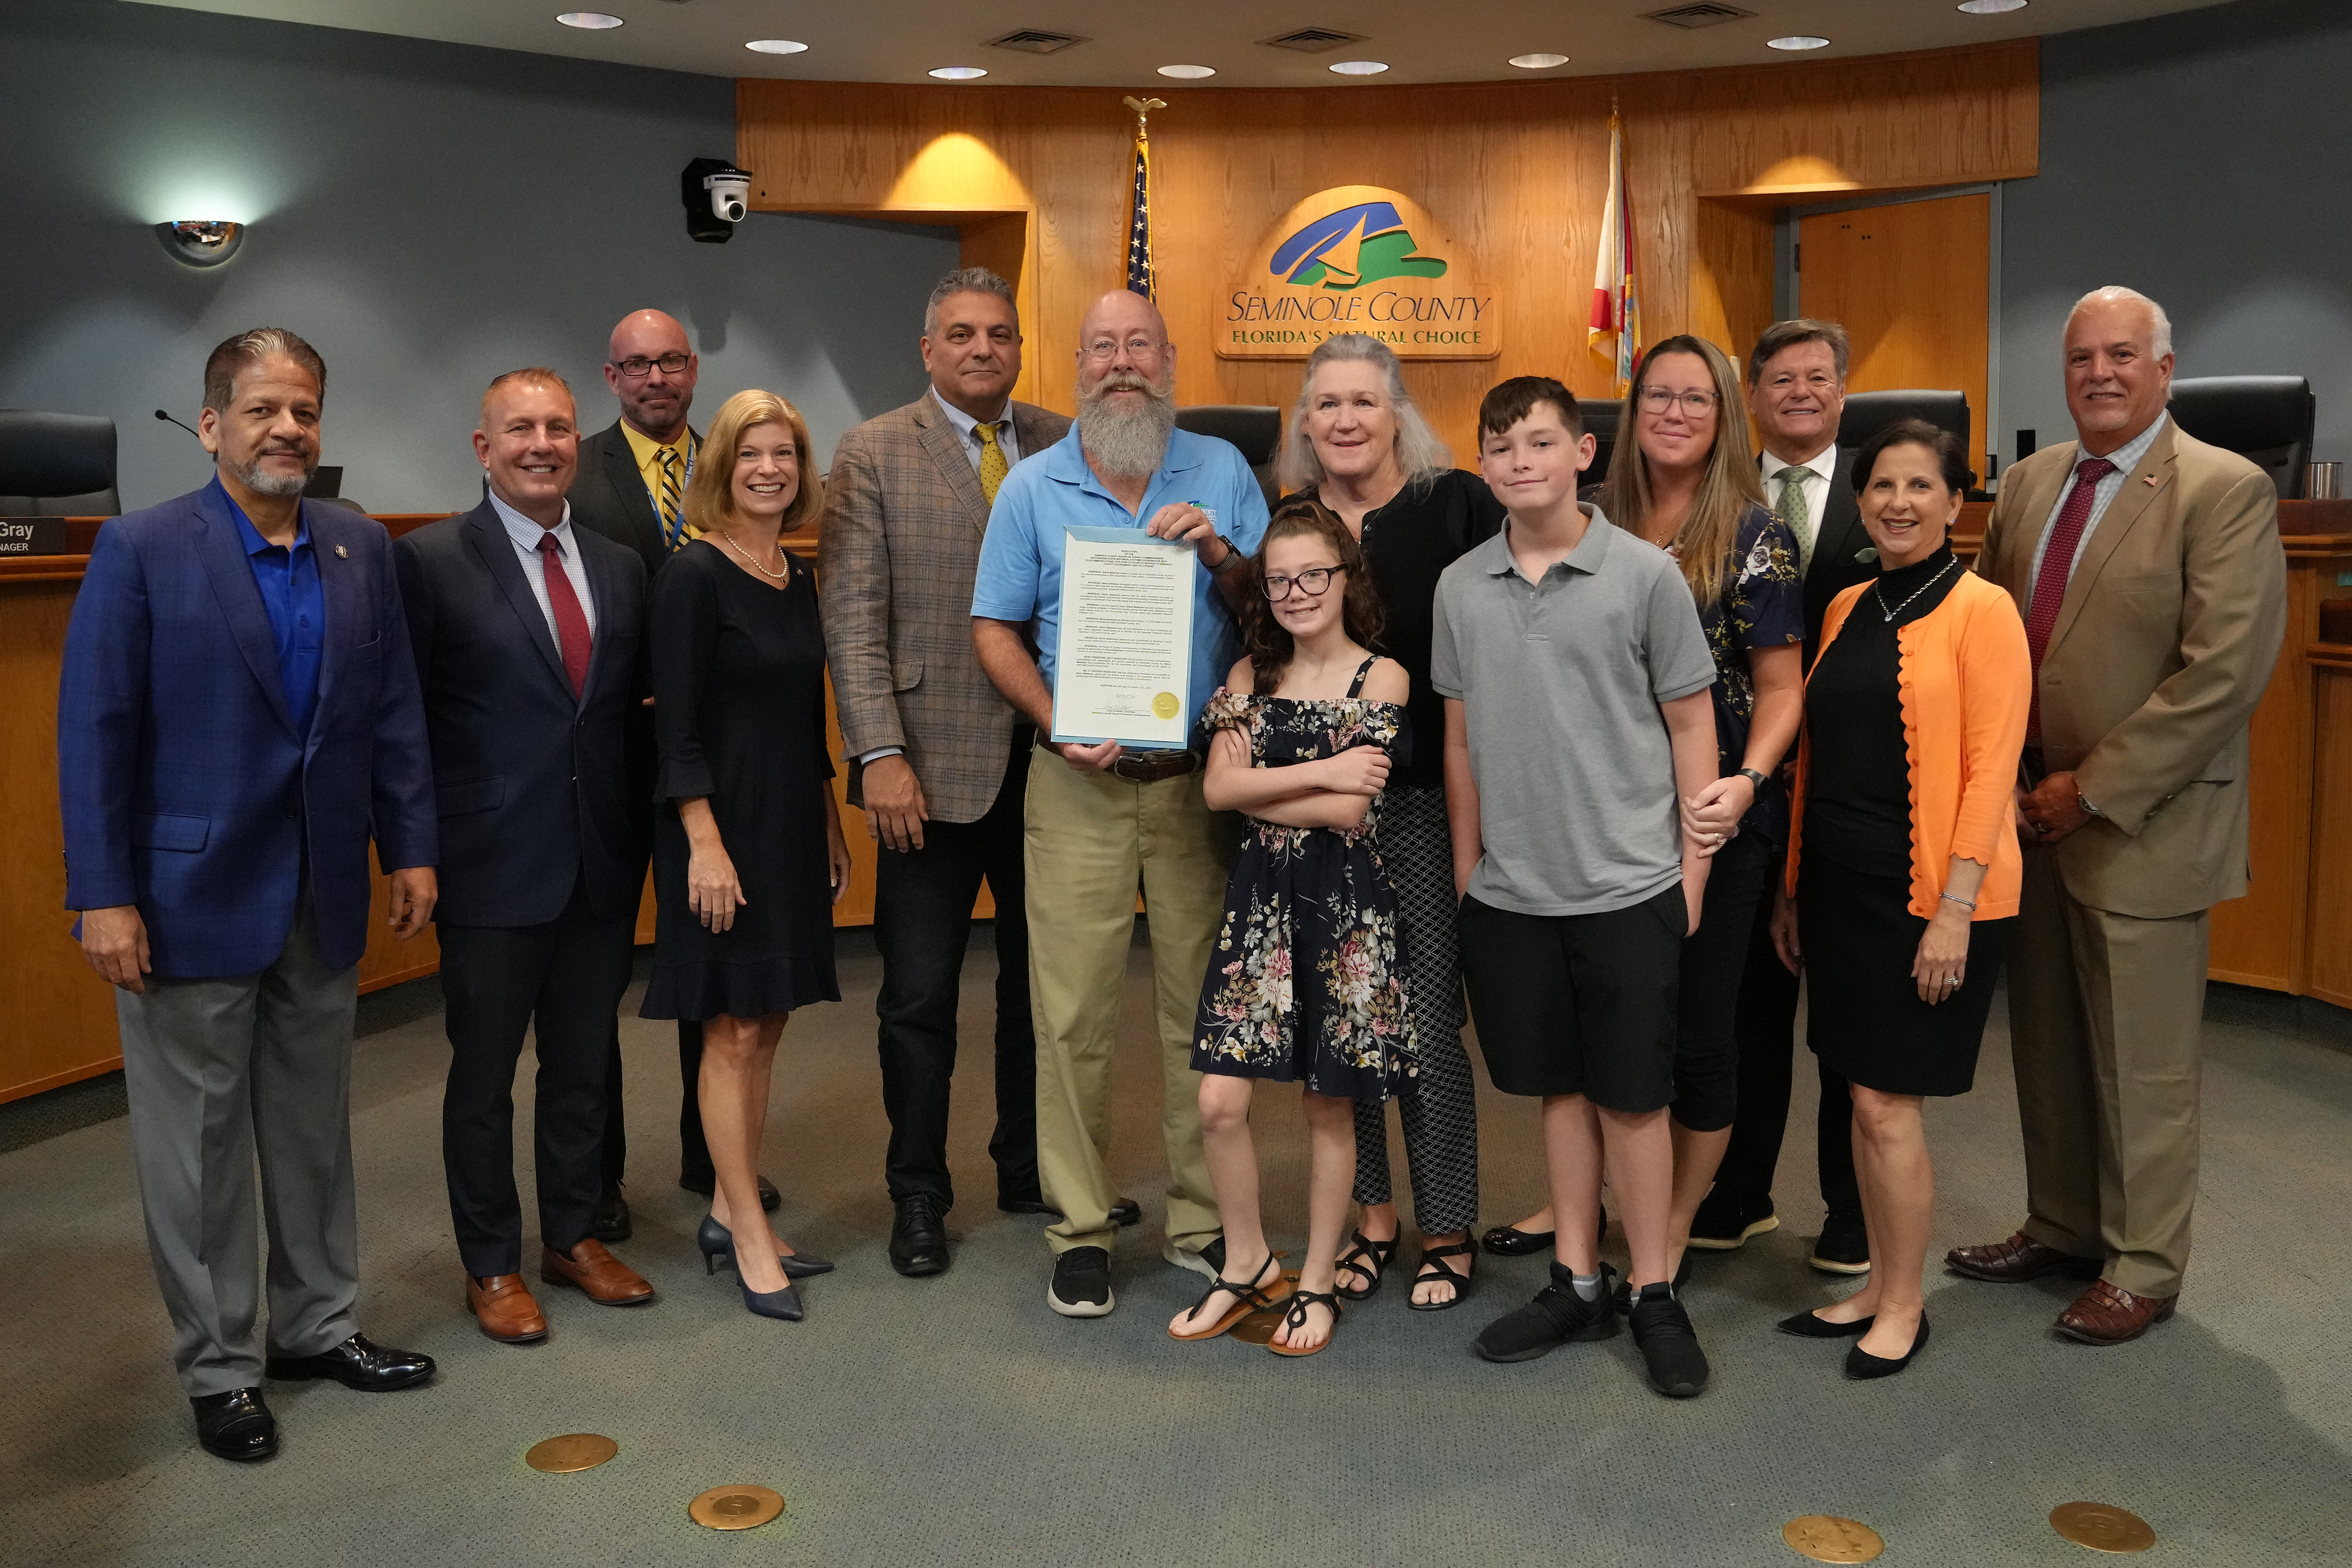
426,215
2201,159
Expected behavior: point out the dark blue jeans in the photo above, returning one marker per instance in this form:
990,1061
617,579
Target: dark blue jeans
922,921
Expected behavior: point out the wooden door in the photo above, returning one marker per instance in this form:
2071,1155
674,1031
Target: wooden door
1911,284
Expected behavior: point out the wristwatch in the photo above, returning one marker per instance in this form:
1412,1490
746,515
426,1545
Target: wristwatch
1752,776
2084,802
1233,557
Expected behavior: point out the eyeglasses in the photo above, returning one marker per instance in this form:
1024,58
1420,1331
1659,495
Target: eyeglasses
636,367
1658,399
1138,347
1315,582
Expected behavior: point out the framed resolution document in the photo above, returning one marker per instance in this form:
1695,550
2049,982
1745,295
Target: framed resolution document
1122,669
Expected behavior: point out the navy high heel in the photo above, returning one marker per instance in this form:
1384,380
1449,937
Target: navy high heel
784,1303
717,1242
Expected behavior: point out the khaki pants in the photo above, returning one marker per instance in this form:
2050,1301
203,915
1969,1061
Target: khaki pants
2105,1012
1090,839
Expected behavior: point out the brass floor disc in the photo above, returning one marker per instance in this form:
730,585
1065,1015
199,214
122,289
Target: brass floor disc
574,1451
1825,1538
735,1508
1258,1328
2102,1528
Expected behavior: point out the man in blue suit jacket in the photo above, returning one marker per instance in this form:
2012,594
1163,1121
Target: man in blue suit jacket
238,717
528,633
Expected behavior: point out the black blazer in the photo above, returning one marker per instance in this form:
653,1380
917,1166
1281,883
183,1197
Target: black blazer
533,786
608,496
1839,543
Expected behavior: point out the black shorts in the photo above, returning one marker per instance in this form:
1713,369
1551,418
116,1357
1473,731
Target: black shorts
1578,1003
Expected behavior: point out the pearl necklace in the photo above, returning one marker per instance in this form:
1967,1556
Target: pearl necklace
1879,588
779,575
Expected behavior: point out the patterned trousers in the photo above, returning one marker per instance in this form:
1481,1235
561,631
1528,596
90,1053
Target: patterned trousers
1439,1106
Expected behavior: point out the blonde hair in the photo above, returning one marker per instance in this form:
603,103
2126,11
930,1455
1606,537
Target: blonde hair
1419,452
710,493
1730,486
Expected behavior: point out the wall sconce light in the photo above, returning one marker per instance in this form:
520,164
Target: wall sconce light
201,243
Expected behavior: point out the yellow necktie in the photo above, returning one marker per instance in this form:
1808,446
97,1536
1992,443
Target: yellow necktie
991,462
1793,511
667,458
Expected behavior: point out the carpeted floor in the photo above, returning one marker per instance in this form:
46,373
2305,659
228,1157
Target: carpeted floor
957,1421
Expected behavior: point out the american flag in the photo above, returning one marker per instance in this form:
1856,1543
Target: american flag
1139,227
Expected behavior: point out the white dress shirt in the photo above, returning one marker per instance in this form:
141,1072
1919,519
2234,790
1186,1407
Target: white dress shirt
2125,457
525,536
1815,486
969,428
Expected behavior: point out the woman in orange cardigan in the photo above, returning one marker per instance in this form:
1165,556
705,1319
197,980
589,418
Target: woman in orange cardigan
1902,860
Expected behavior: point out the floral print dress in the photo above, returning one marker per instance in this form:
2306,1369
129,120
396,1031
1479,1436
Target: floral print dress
1307,982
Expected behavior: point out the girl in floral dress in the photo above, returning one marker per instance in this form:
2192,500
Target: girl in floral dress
1307,985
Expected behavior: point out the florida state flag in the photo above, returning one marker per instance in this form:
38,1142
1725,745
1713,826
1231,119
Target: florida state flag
1616,330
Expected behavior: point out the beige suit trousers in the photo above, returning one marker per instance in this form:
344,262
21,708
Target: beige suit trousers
2104,1013
1090,839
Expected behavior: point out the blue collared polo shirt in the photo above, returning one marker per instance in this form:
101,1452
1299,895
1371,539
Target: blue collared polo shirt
289,581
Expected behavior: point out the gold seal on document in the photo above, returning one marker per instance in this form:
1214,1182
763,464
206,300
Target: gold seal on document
1164,705
574,1451
2102,1528
1825,1538
735,1508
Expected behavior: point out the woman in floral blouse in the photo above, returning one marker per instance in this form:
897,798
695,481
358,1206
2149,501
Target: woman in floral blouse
1687,483
1307,985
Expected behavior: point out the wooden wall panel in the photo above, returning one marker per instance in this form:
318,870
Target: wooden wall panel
2330,958
1516,170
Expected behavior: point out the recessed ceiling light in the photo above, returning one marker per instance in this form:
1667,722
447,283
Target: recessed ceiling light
1538,62
1797,41
958,73
1991,7
594,21
1188,73
1361,67
777,46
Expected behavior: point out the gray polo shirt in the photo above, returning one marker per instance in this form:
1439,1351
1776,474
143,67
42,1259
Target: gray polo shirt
1560,682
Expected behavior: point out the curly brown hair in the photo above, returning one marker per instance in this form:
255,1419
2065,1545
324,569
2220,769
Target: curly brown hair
1264,638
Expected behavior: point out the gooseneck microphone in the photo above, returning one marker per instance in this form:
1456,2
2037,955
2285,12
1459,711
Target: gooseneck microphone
167,420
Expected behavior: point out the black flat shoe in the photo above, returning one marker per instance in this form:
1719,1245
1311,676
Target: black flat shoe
358,1362
1509,1241
1810,1326
1860,1365
709,1185
609,1221
235,1425
1368,1261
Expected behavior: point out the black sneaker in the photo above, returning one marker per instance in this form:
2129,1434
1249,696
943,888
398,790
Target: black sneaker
1844,1246
1668,1343
1558,1316
1624,1296
1209,1263
1081,1286
1723,1222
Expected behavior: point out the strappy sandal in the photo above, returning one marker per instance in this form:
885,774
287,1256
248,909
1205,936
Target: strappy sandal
1247,1298
1432,1270
1366,1249
1296,1319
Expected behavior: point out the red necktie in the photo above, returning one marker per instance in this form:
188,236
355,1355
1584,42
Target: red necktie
571,620
2057,565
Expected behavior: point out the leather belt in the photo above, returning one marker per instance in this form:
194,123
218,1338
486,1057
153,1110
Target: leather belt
1150,767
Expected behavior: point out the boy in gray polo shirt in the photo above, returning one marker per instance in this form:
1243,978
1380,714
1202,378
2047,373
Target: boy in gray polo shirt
1577,718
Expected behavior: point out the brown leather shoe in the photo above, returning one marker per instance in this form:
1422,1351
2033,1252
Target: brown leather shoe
606,1281
503,1307
2018,1259
2108,1314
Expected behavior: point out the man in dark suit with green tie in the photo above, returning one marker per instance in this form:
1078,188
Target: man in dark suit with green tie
631,488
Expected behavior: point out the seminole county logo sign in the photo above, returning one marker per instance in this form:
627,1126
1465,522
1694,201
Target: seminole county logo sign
1359,259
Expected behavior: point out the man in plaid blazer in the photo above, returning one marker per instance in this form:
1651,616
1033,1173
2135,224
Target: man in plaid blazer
938,760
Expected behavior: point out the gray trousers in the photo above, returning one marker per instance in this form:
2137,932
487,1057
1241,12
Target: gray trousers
217,1072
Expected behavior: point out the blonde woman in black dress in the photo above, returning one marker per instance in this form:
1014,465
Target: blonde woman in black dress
748,852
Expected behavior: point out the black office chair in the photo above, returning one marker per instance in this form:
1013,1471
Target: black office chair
1868,413
1601,416
56,465
2267,419
1255,429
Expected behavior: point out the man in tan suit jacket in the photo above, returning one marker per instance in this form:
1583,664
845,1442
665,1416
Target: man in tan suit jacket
2149,568
938,760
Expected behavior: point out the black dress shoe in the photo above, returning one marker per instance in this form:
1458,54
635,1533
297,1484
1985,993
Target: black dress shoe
919,1237
358,1362
609,1222
706,1182
235,1425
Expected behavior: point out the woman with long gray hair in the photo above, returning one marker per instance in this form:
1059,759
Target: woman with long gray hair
1358,444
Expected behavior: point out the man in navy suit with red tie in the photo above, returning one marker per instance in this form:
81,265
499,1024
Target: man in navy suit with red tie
528,635
238,717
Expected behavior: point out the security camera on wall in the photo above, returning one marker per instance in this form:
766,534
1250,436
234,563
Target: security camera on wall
716,196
